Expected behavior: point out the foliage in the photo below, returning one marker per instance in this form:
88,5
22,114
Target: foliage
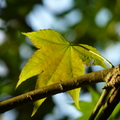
87,112
84,105
13,21
57,60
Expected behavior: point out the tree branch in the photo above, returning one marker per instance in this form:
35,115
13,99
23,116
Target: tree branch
113,83
63,86
110,104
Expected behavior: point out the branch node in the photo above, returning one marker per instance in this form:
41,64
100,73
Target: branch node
113,78
29,96
61,87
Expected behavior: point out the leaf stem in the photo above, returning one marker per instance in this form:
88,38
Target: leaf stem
111,65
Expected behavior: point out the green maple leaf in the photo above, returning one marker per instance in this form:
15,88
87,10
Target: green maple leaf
57,60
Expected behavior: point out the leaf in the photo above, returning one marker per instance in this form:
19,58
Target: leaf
84,105
57,60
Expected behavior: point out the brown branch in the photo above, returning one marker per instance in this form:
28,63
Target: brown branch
63,86
110,104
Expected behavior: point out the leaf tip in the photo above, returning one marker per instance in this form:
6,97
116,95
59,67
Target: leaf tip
18,83
77,105
23,33
33,113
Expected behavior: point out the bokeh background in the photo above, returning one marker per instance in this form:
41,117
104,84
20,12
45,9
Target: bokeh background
92,22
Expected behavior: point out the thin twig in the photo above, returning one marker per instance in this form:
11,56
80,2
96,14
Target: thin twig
112,80
110,104
100,102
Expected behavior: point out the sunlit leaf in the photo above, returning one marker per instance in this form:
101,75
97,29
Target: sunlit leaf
57,60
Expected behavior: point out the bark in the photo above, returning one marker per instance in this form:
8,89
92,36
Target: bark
63,86
110,105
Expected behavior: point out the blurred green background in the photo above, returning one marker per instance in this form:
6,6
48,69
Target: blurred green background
92,22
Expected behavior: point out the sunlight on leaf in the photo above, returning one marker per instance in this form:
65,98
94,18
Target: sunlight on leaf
57,60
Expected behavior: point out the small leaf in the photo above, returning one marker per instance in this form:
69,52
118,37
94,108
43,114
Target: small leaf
84,105
57,60
36,105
